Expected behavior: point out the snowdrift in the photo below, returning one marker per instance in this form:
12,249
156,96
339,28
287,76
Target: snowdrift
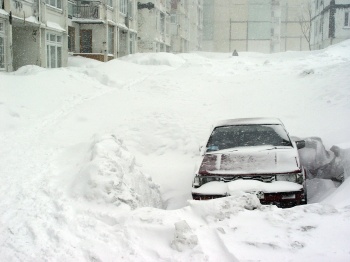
67,198
155,59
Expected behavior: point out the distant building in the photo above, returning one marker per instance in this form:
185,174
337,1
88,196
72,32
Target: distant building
195,10
330,23
180,23
253,25
153,25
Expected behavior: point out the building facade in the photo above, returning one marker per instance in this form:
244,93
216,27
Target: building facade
253,25
44,33
154,26
102,30
330,22
33,33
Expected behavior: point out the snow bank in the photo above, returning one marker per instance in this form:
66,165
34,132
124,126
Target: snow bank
79,61
322,163
110,176
220,208
28,70
155,59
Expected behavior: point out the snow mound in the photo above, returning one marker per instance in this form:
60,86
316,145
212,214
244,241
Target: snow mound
79,61
184,238
155,59
340,50
29,70
223,208
110,176
341,196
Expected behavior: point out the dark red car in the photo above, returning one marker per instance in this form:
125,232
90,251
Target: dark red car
251,155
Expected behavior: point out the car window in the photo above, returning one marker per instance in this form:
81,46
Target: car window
247,135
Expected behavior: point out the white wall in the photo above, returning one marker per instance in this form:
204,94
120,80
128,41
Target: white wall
25,47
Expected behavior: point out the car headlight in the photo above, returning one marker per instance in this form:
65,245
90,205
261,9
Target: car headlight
286,177
201,180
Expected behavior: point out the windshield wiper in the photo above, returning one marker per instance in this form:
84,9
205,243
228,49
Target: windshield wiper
276,147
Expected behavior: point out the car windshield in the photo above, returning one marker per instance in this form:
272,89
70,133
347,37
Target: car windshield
226,137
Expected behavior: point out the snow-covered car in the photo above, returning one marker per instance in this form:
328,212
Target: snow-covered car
253,155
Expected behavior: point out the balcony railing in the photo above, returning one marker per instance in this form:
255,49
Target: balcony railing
86,11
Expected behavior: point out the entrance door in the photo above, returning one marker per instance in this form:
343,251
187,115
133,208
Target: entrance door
71,39
86,41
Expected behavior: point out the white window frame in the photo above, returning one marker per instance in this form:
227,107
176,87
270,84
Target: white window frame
53,42
347,19
131,43
55,3
3,46
111,30
130,9
123,7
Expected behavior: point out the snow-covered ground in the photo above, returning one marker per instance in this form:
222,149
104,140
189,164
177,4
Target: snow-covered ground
97,159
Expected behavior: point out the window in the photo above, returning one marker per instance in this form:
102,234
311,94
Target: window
123,6
110,39
130,10
346,19
162,23
110,3
173,19
55,3
131,43
71,6
54,50
2,46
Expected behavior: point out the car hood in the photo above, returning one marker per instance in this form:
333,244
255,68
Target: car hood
257,160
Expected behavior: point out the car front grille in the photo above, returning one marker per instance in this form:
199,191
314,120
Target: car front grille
266,178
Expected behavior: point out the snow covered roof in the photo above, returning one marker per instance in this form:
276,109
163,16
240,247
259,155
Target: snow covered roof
249,121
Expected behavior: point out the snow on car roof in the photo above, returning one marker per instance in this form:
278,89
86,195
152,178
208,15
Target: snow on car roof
249,121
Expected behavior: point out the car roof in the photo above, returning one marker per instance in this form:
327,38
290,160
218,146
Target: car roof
249,121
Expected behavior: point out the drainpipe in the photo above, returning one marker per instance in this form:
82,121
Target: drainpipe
39,20
331,31
105,43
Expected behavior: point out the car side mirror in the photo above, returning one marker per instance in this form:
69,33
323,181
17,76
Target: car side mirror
202,150
300,144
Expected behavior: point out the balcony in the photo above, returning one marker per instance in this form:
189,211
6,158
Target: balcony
79,10
86,12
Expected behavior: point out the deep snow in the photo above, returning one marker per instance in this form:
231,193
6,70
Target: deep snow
79,146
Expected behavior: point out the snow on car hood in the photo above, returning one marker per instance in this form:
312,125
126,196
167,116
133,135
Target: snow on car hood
222,188
252,160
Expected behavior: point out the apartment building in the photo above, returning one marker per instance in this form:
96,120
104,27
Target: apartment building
253,25
330,22
180,26
153,26
195,9
102,30
33,33
44,33
5,39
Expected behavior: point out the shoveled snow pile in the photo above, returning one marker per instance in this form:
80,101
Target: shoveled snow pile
110,176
